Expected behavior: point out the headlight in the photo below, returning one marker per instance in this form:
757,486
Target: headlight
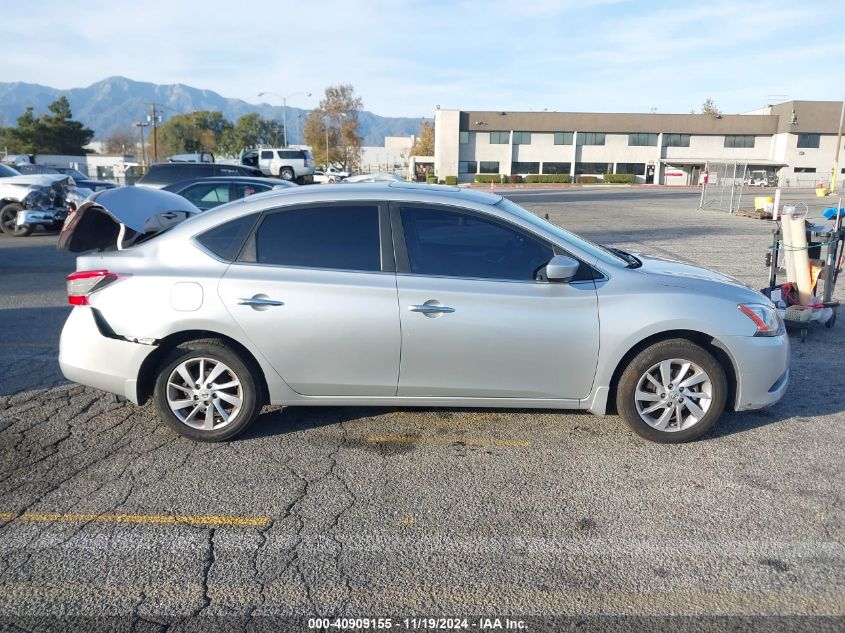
765,318
38,200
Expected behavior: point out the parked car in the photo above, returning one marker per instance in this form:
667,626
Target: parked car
287,164
84,181
207,193
196,157
381,177
36,200
290,298
162,174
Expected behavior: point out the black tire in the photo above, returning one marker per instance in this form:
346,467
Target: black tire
286,173
243,371
8,218
671,349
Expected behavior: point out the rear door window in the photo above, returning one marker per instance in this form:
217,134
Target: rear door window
207,196
344,237
242,190
455,244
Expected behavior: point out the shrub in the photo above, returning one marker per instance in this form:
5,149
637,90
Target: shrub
431,179
587,179
515,179
622,179
503,178
488,178
451,180
553,178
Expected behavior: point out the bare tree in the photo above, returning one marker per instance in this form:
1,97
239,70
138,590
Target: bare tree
709,107
120,142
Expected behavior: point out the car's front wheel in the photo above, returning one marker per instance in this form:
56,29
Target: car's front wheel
9,219
206,392
673,391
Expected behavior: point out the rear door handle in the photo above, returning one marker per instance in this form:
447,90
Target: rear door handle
429,308
259,301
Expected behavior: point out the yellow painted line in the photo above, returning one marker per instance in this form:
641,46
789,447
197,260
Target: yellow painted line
443,439
165,519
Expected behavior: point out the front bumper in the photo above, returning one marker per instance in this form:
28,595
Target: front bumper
89,358
31,217
762,369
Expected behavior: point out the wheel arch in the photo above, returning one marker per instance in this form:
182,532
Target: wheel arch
147,373
708,342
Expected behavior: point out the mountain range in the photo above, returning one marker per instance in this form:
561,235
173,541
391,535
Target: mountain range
116,103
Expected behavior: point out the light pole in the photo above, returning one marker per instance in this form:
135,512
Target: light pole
326,125
285,109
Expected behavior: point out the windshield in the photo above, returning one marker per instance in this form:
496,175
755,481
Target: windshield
73,173
599,252
6,172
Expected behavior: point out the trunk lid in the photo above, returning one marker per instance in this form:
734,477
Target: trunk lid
115,219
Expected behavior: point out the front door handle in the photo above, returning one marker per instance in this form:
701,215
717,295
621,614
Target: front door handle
259,302
431,308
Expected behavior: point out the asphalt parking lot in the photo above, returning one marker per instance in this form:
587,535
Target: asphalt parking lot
388,513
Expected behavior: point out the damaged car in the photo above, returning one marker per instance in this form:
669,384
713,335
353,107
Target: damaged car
37,200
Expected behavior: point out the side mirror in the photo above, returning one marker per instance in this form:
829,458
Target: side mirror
561,268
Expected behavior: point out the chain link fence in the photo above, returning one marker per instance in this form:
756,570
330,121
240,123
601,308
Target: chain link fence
722,185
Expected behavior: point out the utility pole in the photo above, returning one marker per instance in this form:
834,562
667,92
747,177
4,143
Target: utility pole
833,171
154,120
141,125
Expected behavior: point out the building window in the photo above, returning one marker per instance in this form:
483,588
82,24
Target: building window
809,141
804,170
676,140
488,167
563,138
590,138
522,138
637,169
556,168
467,167
740,140
499,138
525,168
592,168
463,137
642,139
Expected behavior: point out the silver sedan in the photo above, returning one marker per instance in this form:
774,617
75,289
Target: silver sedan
400,295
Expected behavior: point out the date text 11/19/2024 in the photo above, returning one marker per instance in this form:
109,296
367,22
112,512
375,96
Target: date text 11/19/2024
417,624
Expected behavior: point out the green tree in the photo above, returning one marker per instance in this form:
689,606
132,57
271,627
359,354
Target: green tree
53,133
251,130
424,143
331,129
200,131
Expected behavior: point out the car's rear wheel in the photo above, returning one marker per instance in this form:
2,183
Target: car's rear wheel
673,391
205,391
9,218
286,173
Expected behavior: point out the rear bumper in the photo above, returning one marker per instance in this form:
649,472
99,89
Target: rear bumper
32,217
89,358
762,369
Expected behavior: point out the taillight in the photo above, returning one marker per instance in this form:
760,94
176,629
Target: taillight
81,284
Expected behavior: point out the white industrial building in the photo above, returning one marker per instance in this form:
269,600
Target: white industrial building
793,142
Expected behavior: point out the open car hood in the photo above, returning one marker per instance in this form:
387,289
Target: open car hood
115,219
36,180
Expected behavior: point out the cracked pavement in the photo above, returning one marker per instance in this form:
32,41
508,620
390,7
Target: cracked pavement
493,513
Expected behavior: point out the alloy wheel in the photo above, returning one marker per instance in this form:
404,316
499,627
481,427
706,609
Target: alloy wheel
204,393
673,395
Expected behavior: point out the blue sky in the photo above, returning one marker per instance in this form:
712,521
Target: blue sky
404,58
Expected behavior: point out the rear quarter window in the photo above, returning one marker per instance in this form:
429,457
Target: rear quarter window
226,240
